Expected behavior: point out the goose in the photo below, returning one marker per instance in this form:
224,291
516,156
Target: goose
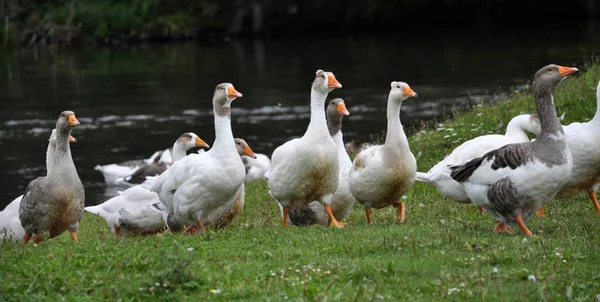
135,210
342,201
202,186
306,169
256,167
185,142
381,175
10,224
476,147
514,181
354,146
585,149
54,203
112,172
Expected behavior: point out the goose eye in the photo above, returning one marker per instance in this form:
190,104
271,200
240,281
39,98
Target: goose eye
549,69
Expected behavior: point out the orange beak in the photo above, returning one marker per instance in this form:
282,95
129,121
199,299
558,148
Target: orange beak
249,152
232,93
409,92
201,143
72,120
332,82
565,71
341,109
72,139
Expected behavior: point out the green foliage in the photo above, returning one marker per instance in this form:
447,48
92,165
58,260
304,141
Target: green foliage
442,251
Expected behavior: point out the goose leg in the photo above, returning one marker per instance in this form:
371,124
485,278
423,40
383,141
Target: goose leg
286,216
369,218
594,200
502,227
334,221
192,229
201,225
481,210
400,216
522,225
74,235
27,238
541,212
117,231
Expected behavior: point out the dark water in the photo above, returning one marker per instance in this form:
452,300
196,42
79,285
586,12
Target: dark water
133,101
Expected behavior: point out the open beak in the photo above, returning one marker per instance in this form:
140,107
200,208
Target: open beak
72,120
200,143
249,152
332,82
72,139
566,71
232,93
409,92
341,109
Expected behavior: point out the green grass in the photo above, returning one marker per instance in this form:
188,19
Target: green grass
443,250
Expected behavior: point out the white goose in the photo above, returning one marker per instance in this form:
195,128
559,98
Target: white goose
306,169
582,139
342,201
112,172
514,181
438,174
256,167
184,143
201,187
381,175
133,211
10,224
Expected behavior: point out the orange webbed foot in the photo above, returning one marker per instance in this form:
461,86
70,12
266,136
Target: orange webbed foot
502,227
541,212
334,221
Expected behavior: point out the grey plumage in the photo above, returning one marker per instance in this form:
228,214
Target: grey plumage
139,176
54,203
547,162
303,216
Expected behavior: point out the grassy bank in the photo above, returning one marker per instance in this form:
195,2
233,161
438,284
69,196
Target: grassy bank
443,250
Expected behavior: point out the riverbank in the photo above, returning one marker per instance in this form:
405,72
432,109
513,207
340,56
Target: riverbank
28,23
442,251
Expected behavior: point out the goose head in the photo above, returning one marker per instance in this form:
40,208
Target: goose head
549,76
336,109
190,140
243,148
325,82
401,91
225,93
67,120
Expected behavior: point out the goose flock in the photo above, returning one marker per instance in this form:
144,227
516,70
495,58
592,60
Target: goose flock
312,178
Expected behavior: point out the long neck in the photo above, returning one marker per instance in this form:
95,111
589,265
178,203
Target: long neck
395,138
223,135
50,155
516,129
179,152
596,119
318,125
550,125
62,154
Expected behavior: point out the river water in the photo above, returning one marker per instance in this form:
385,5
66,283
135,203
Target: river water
134,100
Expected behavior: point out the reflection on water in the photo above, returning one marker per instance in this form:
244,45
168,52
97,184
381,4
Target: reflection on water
133,101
